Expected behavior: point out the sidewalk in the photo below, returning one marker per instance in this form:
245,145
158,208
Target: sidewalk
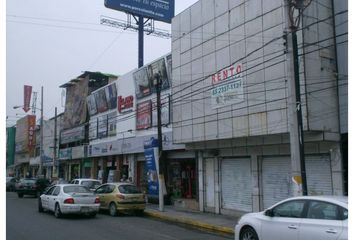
207,221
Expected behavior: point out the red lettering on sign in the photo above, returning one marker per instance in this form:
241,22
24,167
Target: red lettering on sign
125,103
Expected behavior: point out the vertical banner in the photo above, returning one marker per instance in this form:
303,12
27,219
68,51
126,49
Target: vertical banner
27,92
152,165
143,115
31,132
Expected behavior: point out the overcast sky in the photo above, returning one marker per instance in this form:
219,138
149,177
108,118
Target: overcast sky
48,43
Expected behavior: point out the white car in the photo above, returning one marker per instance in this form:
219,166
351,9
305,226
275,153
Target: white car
69,199
298,218
90,183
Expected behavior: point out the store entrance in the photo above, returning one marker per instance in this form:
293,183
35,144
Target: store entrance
182,178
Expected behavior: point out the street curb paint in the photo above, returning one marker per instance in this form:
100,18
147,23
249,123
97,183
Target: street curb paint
194,223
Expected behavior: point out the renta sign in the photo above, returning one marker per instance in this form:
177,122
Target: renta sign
125,104
229,73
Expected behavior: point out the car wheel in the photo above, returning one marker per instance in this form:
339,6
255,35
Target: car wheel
112,209
57,212
20,195
40,207
38,194
248,234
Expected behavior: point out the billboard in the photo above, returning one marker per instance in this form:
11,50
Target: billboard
165,110
111,96
161,10
144,76
91,105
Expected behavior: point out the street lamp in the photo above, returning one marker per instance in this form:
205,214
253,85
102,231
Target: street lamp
41,133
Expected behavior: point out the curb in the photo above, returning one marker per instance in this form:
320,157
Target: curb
188,221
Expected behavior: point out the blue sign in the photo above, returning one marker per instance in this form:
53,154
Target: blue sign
161,10
150,158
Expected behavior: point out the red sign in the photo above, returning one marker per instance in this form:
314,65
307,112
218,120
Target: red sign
27,91
226,74
31,131
124,104
143,116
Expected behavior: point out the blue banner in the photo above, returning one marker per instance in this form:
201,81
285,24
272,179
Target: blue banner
152,173
161,10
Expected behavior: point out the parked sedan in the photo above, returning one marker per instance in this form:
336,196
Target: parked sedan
69,199
118,197
31,186
298,218
91,184
11,184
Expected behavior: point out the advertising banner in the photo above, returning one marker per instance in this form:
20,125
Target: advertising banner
143,115
102,127
152,164
111,95
27,92
142,83
101,101
75,106
93,128
165,111
158,67
91,105
161,10
112,124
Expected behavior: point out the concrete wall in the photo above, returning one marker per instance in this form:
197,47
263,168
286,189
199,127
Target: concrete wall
212,35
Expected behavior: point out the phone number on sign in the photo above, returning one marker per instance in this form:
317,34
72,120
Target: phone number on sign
227,87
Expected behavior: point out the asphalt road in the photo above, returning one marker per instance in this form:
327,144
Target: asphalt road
23,221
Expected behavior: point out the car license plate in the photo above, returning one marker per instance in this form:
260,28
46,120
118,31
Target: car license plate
85,209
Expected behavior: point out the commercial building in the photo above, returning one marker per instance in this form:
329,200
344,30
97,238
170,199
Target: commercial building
233,101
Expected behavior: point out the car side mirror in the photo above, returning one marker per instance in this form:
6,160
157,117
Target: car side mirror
269,213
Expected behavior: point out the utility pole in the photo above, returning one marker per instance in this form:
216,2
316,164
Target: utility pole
55,168
296,132
157,83
40,170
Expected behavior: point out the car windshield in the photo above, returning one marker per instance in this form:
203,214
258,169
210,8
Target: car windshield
30,181
90,183
128,189
75,189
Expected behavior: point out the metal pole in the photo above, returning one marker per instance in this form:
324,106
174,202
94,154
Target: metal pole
41,137
141,41
159,136
299,110
55,168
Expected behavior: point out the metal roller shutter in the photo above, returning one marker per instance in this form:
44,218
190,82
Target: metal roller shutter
236,184
318,175
276,179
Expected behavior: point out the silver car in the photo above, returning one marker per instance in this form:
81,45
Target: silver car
298,218
69,199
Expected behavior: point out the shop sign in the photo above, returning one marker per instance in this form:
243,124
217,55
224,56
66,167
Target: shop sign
151,158
125,104
227,74
27,92
72,135
31,131
77,152
65,154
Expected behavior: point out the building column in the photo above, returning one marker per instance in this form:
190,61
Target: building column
255,183
337,169
201,181
94,168
217,175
